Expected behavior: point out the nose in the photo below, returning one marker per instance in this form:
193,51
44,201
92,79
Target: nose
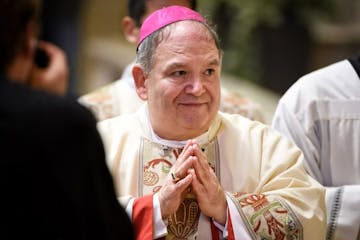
195,86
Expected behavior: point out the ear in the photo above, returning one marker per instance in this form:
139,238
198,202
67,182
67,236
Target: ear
140,78
130,29
20,68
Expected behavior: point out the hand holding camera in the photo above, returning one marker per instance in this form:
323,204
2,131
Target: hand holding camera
50,70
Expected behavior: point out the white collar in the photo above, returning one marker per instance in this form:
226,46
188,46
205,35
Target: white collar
201,140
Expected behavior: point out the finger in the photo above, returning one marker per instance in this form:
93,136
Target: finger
200,172
196,185
207,193
171,189
201,156
206,176
203,165
187,151
180,170
184,161
172,194
183,184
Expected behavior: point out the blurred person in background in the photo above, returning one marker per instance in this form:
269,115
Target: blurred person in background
120,97
321,114
54,180
61,26
185,170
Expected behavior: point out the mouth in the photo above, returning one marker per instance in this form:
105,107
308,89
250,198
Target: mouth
191,104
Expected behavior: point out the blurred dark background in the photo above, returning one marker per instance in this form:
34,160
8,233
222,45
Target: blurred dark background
268,44
273,43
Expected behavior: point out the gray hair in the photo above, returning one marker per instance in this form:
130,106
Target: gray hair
147,48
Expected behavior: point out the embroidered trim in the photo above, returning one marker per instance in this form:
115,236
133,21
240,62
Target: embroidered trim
217,158
334,214
268,217
141,167
155,161
242,214
184,223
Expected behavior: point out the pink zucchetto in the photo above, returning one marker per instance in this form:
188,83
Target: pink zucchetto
166,16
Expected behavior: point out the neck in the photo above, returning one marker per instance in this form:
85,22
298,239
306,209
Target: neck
171,136
202,139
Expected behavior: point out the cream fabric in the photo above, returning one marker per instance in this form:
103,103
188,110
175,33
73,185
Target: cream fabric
252,162
321,114
114,99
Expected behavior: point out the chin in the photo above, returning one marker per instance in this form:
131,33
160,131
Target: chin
195,124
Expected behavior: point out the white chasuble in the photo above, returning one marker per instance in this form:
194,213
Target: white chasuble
268,192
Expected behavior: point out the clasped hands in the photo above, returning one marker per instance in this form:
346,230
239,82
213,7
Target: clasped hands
192,171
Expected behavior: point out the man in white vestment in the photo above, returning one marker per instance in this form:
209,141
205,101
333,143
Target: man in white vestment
321,114
120,97
184,170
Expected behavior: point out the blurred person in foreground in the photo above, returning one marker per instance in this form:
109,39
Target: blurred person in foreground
321,114
120,96
184,170
54,180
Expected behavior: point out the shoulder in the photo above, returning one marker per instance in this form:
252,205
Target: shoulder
321,81
236,120
120,131
326,83
44,125
235,124
111,100
100,96
64,111
36,109
245,131
121,125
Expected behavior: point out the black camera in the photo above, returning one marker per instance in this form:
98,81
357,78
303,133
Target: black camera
41,58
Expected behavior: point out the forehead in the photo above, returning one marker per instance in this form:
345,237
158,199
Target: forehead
153,5
183,31
187,38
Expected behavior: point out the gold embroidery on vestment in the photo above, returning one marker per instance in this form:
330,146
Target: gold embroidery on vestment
155,162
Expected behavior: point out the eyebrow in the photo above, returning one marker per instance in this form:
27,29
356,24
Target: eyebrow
214,62
175,65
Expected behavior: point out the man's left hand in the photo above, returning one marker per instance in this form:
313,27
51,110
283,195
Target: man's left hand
205,185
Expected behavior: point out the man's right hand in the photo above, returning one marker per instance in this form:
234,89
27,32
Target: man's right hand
172,193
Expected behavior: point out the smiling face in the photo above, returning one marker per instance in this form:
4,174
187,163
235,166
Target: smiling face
183,87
